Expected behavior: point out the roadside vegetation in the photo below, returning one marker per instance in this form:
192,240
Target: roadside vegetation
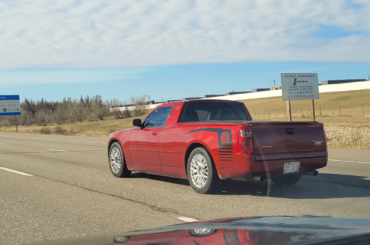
86,116
346,116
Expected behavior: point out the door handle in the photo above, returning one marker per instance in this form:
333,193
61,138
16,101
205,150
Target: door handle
154,133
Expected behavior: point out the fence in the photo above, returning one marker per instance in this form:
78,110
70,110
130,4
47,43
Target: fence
305,112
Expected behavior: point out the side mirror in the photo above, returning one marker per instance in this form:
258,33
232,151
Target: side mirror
137,122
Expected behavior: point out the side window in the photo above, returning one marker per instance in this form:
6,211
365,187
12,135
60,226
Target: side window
158,118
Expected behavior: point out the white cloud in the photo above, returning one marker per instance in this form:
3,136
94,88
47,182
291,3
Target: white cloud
11,78
100,33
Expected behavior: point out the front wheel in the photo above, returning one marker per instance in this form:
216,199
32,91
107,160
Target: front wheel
289,179
117,163
201,172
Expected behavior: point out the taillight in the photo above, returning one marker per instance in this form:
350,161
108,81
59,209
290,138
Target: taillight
326,140
250,237
245,141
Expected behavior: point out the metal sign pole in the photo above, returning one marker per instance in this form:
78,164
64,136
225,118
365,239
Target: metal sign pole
313,110
289,109
16,124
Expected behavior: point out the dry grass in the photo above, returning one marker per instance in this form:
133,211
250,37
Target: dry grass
97,129
346,127
349,138
330,104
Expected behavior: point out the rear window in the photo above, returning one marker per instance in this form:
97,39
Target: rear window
213,111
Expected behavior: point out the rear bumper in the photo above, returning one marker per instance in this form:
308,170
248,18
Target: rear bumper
307,165
247,165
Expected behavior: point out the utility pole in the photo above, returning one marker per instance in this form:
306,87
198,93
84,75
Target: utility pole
274,85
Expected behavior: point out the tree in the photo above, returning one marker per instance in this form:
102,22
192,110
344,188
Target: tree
139,105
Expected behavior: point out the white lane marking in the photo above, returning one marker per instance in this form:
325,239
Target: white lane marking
186,219
335,160
55,150
81,141
14,171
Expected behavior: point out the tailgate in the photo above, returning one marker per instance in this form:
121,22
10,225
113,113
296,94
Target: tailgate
280,137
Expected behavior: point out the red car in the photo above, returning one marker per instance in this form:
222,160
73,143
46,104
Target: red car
206,141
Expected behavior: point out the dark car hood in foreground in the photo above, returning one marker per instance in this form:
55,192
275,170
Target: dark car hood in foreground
247,230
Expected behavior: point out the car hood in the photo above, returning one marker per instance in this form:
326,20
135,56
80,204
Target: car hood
245,230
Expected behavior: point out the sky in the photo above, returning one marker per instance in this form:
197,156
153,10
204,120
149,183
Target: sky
172,49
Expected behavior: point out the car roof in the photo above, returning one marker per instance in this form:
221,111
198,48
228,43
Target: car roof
207,100
196,101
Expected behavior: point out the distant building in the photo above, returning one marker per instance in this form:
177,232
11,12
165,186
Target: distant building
171,101
241,92
212,95
260,89
192,98
327,82
274,88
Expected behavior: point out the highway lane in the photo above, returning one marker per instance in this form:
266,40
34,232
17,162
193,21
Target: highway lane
72,193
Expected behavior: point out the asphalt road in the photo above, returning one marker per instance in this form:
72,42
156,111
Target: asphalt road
68,191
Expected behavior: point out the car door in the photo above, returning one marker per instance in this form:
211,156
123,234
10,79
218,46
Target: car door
144,145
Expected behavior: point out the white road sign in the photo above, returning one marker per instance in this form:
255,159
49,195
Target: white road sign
300,86
9,105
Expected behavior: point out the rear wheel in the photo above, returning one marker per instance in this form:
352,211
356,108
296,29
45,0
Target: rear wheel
117,163
201,172
121,239
289,179
201,232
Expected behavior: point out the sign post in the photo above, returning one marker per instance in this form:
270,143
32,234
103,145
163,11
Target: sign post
289,110
16,124
300,86
9,106
313,110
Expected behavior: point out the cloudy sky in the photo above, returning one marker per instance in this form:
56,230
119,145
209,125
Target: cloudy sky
173,49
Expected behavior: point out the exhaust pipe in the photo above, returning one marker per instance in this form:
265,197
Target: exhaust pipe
313,173
259,178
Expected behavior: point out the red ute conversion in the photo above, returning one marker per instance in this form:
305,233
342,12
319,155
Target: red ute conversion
206,141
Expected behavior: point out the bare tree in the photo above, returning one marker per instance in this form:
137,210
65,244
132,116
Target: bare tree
117,113
43,112
140,105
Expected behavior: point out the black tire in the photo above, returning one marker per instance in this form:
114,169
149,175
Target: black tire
285,180
202,232
117,164
211,183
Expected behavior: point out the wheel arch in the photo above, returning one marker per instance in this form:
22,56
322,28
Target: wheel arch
113,141
190,148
